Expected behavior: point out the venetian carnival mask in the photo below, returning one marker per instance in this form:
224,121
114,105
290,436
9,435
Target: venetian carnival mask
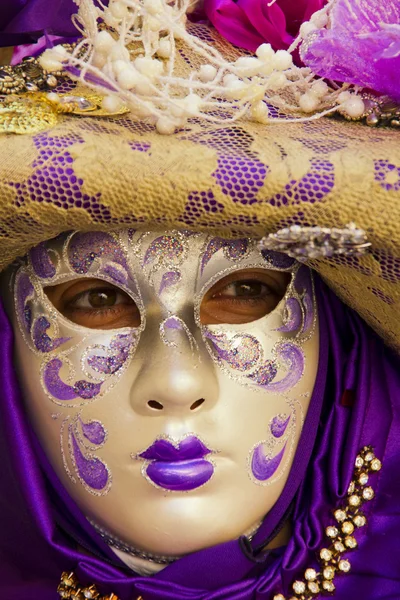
167,376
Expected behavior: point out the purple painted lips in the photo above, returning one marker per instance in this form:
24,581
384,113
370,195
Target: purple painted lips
179,468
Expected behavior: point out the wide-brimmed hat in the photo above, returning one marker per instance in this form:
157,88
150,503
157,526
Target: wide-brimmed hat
229,177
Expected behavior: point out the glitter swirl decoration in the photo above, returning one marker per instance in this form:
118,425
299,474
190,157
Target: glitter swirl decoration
291,357
240,351
173,329
113,357
42,340
242,355
84,251
59,390
170,278
23,292
262,467
77,365
41,262
234,250
299,311
79,440
266,457
165,252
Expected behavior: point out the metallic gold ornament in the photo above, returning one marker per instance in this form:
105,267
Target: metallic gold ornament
36,111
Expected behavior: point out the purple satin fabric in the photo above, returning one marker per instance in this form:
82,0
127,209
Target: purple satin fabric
24,21
34,549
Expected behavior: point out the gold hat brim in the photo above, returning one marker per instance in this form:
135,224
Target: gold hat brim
231,179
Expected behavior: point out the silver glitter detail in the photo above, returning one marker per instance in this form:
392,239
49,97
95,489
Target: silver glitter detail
119,544
273,445
77,428
177,324
305,243
159,559
297,338
88,456
63,454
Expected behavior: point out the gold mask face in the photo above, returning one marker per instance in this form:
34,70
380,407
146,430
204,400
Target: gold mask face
167,375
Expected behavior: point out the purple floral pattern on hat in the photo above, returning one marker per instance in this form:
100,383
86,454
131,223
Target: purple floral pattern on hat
387,175
316,184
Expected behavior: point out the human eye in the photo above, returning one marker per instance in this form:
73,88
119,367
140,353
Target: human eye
95,304
243,297
245,290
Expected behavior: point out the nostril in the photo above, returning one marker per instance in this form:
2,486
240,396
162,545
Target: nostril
197,404
155,405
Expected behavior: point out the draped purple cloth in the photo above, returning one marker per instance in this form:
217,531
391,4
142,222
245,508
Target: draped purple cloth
24,21
40,524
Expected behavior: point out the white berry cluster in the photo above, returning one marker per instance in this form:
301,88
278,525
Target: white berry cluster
129,53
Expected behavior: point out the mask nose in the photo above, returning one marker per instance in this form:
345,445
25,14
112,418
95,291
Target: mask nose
155,405
177,374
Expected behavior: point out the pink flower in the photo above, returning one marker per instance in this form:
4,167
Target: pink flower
249,23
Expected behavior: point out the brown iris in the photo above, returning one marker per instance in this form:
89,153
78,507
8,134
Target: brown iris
241,297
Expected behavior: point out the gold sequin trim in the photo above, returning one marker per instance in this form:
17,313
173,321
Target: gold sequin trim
340,538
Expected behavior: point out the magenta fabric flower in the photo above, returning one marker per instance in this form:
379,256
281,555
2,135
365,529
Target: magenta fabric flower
249,23
361,45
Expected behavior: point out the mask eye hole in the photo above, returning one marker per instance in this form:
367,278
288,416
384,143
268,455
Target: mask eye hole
243,296
95,304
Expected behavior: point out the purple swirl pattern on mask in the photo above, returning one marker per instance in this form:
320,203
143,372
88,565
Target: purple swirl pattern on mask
236,249
24,291
264,374
62,391
233,249
121,345
242,352
84,248
303,284
279,425
165,248
41,262
293,358
168,329
293,316
169,279
118,275
278,260
42,341
91,470
173,323
262,467
94,432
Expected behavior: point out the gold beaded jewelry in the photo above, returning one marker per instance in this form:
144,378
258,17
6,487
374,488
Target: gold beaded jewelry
70,588
340,536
